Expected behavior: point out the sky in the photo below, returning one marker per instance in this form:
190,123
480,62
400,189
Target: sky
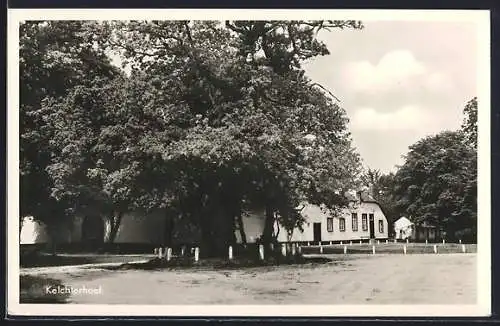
399,81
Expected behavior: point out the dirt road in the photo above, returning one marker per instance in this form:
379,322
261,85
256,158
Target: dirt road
356,279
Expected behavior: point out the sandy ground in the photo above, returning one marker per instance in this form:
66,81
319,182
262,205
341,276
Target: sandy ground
356,279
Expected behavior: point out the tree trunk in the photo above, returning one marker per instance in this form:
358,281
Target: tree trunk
223,230
111,226
241,228
267,235
52,233
169,231
234,240
207,239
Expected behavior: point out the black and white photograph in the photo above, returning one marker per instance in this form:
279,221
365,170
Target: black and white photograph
249,163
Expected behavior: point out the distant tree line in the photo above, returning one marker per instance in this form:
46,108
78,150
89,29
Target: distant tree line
437,184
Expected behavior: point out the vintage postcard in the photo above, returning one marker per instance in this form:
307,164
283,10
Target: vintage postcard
249,163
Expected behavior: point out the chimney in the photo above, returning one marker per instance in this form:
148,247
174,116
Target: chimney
358,195
371,191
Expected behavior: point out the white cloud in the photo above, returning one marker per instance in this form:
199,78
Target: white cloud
396,70
408,118
438,81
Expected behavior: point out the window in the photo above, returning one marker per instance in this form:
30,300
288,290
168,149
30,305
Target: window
355,222
342,224
329,224
380,226
364,222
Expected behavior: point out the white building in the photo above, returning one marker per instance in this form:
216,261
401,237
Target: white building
403,228
363,219
406,229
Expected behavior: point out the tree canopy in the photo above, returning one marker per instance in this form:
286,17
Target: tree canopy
437,183
203,126
54,57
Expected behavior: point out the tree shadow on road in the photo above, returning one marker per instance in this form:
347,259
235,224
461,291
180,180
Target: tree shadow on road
35,289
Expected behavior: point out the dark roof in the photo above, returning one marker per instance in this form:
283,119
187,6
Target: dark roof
365,196
426,225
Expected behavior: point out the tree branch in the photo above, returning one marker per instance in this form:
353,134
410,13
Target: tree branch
319,85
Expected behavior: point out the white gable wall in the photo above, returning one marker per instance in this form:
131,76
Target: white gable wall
254,225
314,214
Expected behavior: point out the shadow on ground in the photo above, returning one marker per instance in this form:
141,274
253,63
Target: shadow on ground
219,263
38,259
36,289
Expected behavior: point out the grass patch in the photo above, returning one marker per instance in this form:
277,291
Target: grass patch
33,289
391,248
40,259
218,263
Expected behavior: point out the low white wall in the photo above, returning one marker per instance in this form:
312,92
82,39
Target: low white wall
33,232
142,228
254,225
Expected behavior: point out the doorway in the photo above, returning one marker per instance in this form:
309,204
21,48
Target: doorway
317,232
372,227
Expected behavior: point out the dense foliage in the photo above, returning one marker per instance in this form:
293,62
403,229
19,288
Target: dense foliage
437,184
54,58
214,120
207,122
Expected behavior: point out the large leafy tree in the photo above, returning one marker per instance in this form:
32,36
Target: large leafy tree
54,57
244,123
437,184
205,126
381,187
469,125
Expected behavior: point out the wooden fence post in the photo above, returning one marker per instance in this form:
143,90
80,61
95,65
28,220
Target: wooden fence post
169,254
196,254
283,249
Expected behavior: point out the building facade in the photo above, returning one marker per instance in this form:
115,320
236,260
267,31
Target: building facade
363,219
406,229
